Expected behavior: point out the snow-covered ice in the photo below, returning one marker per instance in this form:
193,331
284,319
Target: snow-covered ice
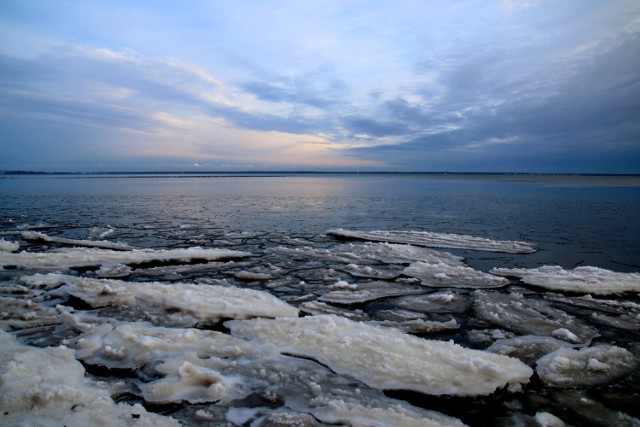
48,387
81,257
450,276
103,244
131,345
438,240
208,303
386,358
8,246
586,367
591,280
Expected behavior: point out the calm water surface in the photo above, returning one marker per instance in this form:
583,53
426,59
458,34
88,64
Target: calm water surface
572,220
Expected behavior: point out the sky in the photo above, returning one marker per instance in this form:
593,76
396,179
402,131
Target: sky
331,85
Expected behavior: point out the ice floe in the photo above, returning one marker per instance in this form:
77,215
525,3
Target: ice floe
530,316
528,348
368,253
131,345
371,412
436,302
102,244
191,361
386,358
48,387
438,240
80,257
368,291
208,303
591,280
586,367
452,276
8,246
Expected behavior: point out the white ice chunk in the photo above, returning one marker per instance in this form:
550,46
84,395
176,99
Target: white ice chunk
528,348
193,384
437,240
367,253
48,387
592,280
205,302
586,367
80,257
319,307
8,246
370,412
132,345
545,419
103,244
529,316
459,276
368,292
252,276
114,270
437,302
386,358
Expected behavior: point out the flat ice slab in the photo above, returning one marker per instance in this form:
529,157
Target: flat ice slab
592,280
441,275
205,302
386,358
81,257
104,244
586,367
437,240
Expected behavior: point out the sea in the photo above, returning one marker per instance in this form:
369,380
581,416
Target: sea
572,221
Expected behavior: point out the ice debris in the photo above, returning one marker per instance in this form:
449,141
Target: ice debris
8,246
585,367
368,291
528,348
103,244
208,303
452,276
368,253
48,387
591,280
386,358
81,257
437,240
530,316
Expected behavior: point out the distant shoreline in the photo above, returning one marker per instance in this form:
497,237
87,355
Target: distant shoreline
285,173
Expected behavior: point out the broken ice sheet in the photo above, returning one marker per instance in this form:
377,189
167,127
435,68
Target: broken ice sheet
208,303
436,302
528,348
47,386
103,244
437,240
91,257
586,367
386,358
371,253
452,276
591,280
368,291
530,317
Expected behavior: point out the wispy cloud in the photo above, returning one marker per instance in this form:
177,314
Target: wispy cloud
465,85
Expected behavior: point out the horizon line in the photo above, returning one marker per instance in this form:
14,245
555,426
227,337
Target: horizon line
306,172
